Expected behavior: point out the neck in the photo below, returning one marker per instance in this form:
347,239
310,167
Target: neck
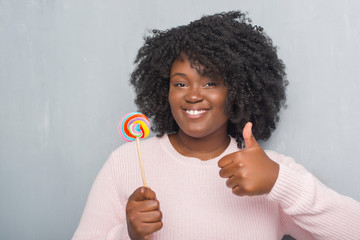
204,148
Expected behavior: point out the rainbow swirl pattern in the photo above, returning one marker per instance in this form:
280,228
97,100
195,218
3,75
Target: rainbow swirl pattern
134,125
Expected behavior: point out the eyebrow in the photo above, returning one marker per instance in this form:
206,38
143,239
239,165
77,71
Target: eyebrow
178,74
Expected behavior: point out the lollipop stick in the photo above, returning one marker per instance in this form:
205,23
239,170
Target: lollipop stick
140,161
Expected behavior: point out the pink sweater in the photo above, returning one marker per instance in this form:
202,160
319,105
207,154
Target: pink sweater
196,204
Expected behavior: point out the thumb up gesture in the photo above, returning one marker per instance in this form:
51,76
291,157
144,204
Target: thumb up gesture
250,171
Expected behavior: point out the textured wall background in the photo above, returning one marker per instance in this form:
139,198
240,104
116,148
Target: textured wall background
64,70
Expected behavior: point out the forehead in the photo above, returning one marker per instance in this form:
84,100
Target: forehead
183,64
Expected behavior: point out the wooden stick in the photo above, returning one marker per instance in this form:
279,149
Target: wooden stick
140,161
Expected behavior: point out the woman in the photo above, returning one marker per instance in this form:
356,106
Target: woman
212,88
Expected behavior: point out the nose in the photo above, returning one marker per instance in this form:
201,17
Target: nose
194,95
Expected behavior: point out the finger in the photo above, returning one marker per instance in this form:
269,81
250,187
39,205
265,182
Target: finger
152,227
148,205
230,169
226,160
249,139
232,182
238,190
142,206
144,230
151,217
143,193
148,193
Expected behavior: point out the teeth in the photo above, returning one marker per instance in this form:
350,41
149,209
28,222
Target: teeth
195,112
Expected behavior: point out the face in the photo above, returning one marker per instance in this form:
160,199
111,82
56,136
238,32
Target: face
197,102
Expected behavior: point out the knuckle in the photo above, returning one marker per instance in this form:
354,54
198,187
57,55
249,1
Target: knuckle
244,174
130,208
156,203
240,164
138,231
237,191
229,183
160,215
160,225
132,219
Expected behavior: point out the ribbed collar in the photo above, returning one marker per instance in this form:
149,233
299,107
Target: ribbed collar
166,145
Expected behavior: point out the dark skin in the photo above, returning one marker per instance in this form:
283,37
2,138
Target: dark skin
197,104
249,172
143,214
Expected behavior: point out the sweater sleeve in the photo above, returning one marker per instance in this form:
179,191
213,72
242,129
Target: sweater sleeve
104,214
309,209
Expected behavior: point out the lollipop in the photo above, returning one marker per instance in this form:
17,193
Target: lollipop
133,126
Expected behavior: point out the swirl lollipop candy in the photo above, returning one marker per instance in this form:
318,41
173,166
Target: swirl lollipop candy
133,126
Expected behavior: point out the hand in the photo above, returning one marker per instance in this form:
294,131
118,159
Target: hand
250,171
143,214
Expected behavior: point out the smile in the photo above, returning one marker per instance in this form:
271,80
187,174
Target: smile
194,112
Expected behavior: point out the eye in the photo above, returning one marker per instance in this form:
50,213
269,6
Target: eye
180,85
211,84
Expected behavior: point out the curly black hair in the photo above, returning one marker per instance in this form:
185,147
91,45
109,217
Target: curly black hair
227,46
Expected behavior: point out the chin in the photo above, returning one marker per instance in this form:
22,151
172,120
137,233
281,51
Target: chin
197,133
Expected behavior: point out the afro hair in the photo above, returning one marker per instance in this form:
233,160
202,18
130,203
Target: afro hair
229,47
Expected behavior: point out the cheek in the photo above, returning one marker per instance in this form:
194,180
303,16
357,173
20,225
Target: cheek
170,96
219,100
172,99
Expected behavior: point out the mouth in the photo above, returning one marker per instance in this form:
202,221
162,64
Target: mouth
195,113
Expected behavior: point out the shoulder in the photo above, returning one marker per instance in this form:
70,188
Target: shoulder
147,142
129,150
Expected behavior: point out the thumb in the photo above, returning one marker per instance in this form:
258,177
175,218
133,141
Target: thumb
143,193
249,139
